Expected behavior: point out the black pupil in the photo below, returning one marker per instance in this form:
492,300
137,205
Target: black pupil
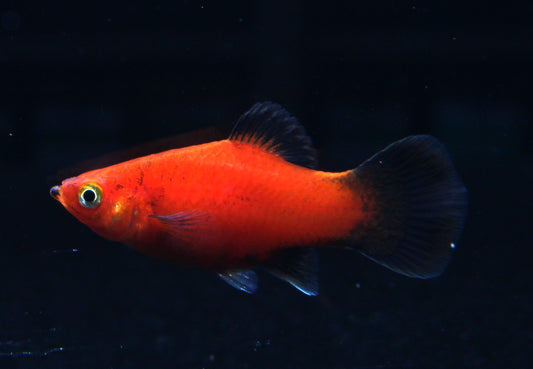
89,196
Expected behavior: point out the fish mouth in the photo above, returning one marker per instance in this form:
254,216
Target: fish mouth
55,192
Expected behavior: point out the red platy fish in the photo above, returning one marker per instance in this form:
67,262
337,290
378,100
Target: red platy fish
255,199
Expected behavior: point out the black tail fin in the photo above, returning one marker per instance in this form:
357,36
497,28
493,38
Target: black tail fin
416,205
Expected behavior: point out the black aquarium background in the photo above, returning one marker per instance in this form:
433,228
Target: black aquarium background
81,81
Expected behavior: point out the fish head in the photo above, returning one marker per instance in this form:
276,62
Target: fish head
96,201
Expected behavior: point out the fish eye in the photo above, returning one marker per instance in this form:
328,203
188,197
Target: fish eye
90,195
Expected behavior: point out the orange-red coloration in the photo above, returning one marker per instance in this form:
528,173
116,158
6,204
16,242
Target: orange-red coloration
248,203
253,200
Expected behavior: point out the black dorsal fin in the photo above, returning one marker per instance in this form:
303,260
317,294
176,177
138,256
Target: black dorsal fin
269,126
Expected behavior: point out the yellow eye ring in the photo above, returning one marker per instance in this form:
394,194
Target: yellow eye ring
90,195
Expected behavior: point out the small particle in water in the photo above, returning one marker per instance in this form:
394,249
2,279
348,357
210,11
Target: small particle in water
426,87
454,38
61,251
55,349
452,245
211,358
357,285
241,20
10,134
259,344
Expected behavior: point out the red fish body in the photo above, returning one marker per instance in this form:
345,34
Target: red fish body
254,199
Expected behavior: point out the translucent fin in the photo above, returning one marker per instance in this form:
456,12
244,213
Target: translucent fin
297,266
184,224
184,220
416,206
243,279
269,126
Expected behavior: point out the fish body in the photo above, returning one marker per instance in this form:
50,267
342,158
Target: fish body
255,199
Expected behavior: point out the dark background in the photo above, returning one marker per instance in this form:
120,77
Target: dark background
77,82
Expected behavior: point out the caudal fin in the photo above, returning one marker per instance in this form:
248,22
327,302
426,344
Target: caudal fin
416,205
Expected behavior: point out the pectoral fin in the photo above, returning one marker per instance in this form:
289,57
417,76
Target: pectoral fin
185,224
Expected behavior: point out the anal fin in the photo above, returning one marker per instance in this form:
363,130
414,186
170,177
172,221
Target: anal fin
297,266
